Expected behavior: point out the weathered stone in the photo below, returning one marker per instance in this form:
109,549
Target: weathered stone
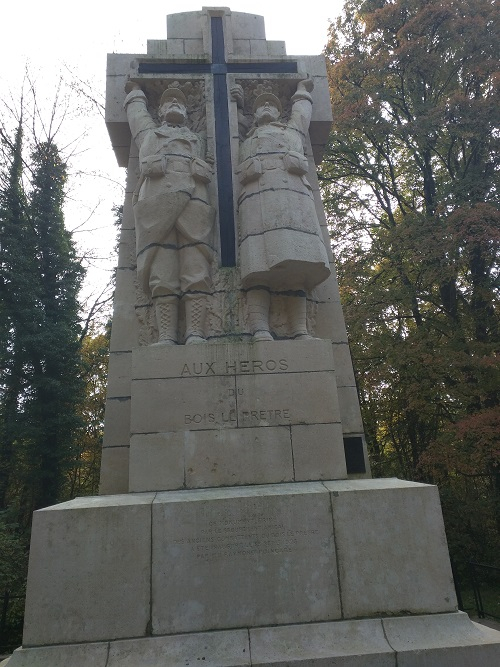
118,413
246,25
223,359
114,470
119,368
198,395
156,462
90,569
76,655
318,452
405,567
447,640
345,643
208,544
214,649
316,402
349,409
196,403
229,457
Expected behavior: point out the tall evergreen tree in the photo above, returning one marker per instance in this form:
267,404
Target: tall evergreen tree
41,387
411,180
56,388
16,306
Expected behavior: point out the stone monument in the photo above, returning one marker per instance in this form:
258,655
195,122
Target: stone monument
237,523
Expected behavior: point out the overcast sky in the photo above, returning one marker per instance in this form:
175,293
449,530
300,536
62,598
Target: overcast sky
61,36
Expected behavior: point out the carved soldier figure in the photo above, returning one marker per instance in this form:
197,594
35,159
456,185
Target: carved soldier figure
173,216
281,243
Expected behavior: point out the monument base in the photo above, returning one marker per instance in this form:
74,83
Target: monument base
355,571
443,640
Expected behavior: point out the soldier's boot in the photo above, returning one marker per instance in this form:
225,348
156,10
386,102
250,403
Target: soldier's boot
196,311
258,304
297,317
166,308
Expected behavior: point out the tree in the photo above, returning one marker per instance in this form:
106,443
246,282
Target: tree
52,364
83,477
54,343
411,184
41,385
16,236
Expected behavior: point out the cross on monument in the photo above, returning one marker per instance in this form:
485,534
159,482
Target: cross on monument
219,68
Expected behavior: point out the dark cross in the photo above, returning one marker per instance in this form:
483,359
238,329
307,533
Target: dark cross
219,68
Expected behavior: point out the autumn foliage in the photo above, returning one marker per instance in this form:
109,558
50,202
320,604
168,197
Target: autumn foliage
411,184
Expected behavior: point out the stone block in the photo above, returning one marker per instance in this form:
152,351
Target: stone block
214,649
119,64
156,48
193,47
77,655
184,25
90,569
318,452
301,398
118,68
315,66
125,328
343,365
258,48
117,422
238,385
444,640
214,359
119,369
349,409
244,557
399,530
156,462
241,47
208,403
330,322
328,292
344,644
175,47
447,640
114,471
276,48
247,26
197,403
235,457
126,249
125,286
130,183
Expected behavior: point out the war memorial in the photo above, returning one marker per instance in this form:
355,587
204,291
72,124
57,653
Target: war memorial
237,522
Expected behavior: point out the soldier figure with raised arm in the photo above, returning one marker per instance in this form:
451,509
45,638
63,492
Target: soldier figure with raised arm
173,217
280,240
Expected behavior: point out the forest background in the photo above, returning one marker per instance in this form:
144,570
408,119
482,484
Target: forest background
410,182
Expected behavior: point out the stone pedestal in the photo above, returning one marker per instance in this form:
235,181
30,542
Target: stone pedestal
255,575
234,414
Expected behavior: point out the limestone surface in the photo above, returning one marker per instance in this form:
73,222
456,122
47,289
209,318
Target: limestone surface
141,564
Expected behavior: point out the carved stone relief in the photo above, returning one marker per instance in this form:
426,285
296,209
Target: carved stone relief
173,216
282,255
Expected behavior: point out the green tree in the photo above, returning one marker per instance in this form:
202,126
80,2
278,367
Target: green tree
411,184
83,477
16,307
53,344
41,384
